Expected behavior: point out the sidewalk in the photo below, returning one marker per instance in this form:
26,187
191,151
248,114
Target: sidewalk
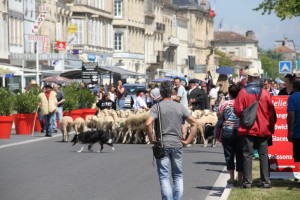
14,138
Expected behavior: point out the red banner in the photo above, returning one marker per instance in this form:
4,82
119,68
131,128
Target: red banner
282,163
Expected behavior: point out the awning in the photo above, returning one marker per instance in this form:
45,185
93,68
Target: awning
76,74
171,72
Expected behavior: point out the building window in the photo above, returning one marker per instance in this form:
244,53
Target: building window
237,51
118,8
118,41
80,30
249,52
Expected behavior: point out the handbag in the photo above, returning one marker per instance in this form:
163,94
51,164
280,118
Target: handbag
158,147
218,130
248,115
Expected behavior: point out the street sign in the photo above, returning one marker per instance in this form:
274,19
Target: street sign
281,159
285,67
75,51
90,74
60,45
72,28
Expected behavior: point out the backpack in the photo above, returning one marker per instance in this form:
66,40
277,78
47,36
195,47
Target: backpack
248,115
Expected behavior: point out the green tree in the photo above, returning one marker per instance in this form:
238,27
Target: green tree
224,59
269,61
282,8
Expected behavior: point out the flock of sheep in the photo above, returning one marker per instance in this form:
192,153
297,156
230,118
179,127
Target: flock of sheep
125,126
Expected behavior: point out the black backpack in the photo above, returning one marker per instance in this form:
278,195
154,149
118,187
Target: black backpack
248,115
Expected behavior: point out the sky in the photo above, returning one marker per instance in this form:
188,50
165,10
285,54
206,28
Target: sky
238,16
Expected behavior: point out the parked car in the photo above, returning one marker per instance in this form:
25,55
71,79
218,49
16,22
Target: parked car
130,93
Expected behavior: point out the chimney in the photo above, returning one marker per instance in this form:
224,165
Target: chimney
250,35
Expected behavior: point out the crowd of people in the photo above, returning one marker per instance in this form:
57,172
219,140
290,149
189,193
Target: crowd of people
239,143
173,100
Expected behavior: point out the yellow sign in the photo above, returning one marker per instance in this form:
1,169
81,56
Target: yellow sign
72,29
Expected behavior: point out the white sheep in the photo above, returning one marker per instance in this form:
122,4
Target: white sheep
65,127
79,125
207,118
90,121
134,124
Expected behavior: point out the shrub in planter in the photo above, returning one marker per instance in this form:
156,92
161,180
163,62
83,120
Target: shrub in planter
85,98
6,102
25,105
71,100
6,109
26,102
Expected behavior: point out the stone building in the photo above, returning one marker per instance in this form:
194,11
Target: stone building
243,49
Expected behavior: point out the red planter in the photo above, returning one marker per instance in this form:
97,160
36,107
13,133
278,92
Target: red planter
6,126
88,111
24,123
73,113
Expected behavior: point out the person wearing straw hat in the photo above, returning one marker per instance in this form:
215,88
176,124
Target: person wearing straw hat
48,104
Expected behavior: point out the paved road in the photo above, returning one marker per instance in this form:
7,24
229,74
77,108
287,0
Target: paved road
51,170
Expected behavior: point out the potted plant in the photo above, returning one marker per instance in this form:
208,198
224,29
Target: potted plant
71,104
86,99
26,106
6,110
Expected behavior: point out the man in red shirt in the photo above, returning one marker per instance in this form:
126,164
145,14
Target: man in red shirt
257,136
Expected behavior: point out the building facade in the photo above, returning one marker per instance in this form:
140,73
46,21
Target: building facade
243,49
150,37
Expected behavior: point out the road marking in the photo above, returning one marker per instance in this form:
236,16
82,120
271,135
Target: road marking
220,190
28,141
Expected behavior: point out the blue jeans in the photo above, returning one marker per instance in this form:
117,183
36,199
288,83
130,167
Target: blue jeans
49,123
232,148
58,115
173,158
41,119
121,103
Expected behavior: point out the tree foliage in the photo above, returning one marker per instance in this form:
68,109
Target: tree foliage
282,8
224,59
270,61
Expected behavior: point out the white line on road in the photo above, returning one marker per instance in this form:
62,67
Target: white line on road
27,141
218,191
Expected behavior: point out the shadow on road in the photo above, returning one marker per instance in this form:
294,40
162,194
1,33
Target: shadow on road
217,191
210,163
200,151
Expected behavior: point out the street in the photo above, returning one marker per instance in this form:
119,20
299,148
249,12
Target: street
51,170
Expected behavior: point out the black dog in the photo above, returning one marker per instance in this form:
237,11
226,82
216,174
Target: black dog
209,134
92,137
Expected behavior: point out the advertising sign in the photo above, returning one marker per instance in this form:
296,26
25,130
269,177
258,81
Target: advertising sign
282,163
60,46
41,18
90,74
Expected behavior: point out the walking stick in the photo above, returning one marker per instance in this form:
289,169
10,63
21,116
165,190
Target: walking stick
36,112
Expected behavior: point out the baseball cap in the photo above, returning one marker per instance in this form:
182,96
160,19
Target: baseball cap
252,72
